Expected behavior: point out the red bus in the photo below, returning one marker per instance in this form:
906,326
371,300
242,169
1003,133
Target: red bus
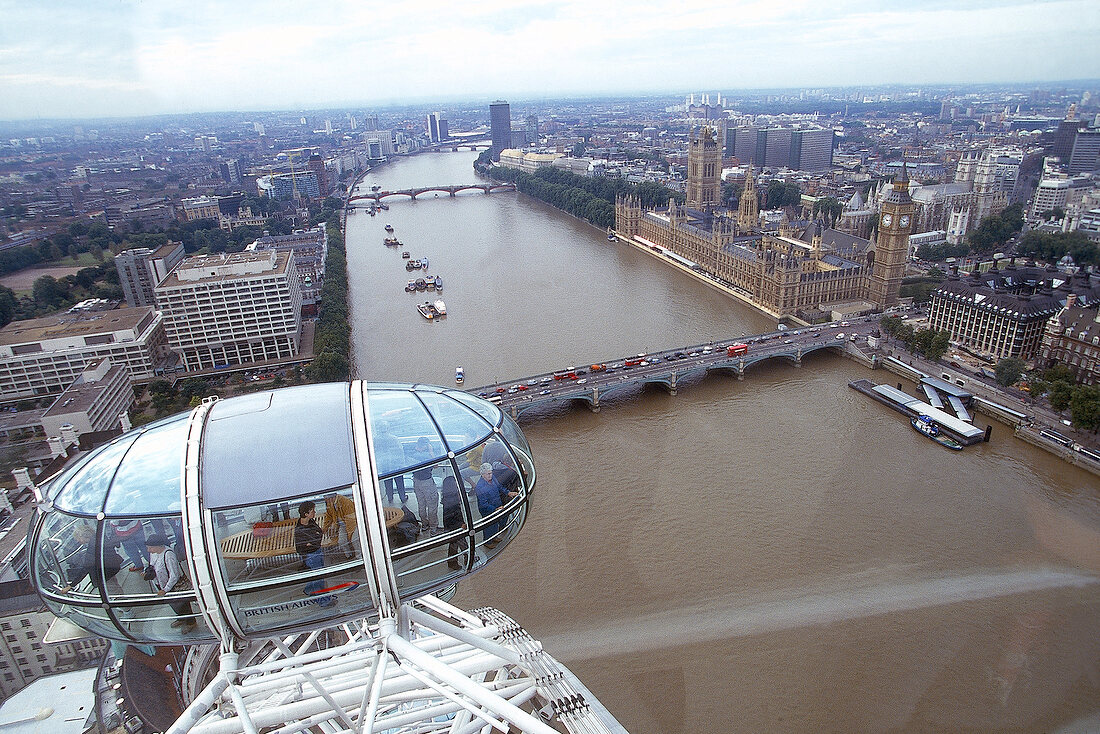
734,349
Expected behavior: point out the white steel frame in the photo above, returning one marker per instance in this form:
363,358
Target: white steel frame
431,668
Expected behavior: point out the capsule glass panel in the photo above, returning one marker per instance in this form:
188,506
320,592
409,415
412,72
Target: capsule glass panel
86,490
148,480
264,544
110,549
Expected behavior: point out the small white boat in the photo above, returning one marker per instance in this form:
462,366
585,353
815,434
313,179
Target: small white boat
440,307
460,376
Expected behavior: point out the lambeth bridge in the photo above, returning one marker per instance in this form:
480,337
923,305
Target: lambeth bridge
377,196
671,366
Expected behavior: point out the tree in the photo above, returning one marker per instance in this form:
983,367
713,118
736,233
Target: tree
1009,371
941,342
48,292
996,229
1084,407
1060,395
8,305
829,208
328,367
780,194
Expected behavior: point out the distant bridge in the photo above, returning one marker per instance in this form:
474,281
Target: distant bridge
488,188
670,369
448,146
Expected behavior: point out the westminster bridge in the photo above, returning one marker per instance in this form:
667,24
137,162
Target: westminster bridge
450,190
670,367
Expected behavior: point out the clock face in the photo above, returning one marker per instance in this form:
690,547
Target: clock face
904,222
887,220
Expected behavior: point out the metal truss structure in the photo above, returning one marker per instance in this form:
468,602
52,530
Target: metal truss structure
430,668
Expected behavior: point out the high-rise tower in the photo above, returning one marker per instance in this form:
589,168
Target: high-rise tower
500,127
748,209
704,171
892,246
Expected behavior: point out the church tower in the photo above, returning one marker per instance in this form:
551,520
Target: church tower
704,179
748,209
895,224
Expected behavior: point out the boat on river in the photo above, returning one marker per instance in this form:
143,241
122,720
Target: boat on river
389,228
438,283
391,242
429,282
426,310
460,376
440,307
924,424
410,286
415,265
420,284
405,254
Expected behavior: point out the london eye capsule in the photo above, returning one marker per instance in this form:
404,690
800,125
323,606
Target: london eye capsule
280,511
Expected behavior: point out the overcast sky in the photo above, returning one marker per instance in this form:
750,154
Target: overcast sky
92,58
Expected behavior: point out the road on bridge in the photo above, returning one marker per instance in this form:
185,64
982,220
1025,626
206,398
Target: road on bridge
519,395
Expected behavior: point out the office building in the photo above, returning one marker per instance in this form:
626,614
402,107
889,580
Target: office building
500,127
140,269
436,125
1065,135
1085,157
811,149
94,402
150,213
295,185
1052,191
230,171
1072,338
1003,312
316,164
44,356
530,162
531,127
200,207
310,248
232,309
741,143
773,147
25,654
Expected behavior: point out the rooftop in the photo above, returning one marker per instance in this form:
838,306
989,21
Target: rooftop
82,394
73,324
226,267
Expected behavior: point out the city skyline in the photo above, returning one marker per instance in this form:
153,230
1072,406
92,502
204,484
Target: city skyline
63,60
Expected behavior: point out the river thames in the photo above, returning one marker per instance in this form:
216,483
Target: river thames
775,554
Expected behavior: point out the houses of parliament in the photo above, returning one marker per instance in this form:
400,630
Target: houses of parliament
798,272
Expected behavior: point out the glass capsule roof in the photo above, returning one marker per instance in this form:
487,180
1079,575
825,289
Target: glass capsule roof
300,433
107,541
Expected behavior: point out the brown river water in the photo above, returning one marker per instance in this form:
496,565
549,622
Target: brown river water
776,554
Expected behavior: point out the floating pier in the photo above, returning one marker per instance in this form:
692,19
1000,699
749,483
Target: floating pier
911,407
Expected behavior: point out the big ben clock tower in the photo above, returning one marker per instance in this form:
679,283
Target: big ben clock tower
894,226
